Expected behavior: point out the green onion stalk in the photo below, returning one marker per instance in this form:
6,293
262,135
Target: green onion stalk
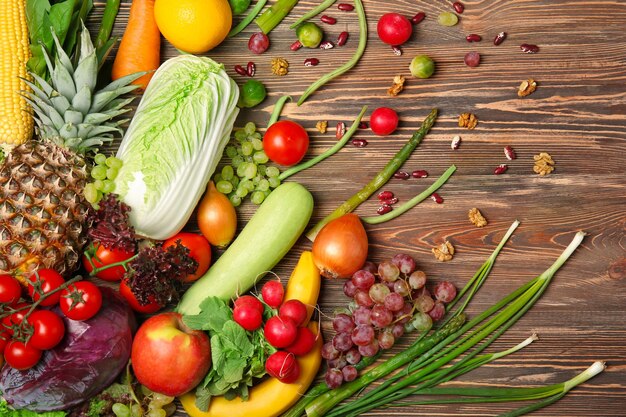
360,11
313,12
248,19
274,15
481,332
470,288
380,179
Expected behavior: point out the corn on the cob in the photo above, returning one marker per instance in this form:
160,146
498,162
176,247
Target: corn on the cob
16,121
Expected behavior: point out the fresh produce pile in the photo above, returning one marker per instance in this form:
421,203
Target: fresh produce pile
230,342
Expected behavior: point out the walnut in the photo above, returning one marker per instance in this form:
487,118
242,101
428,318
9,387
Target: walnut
544,164
322,126
444,251
468,120
280,66
527,87
397,87
477,217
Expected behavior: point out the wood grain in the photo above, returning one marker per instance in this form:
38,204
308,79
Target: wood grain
577,114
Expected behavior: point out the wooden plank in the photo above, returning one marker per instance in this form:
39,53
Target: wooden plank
577,114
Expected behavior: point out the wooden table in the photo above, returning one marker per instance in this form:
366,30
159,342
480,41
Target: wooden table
577,115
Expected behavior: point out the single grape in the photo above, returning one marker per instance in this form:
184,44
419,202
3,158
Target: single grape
260,157
258,43
370,267
235,200
112,173
353,356
224,187
242,191
363,334
162,398
272,171
98,184
237,161
472,59
157,412
257,197
401,287
274,181
119,409
108,186
262,169
363,279
388,271
363,298
349,373
333,378
361,315
241,169
263,185
342,342
99,172
381,317
424,303
370,349
256,135
447,19
235,181
338,363
404,262
343,323
397,330
349,289
257,144
404,316
217,178
386,340
113,162
228,173
100,159
136,410
249,128
445,291
91,193
438,311
329,352
231,151
378,292
247,148
422,322
394,302
248,184
417,280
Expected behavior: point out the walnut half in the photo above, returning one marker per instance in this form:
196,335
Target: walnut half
526,87
477,217
397,86
444,252
468,120
544,164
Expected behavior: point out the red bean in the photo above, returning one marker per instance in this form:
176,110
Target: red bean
311,62
384,209
359,143
473,38
296,45
329,20
500,37
437,198
458,7
402,175
327,45
529,48
251,69
420,173
240,70
340,130
342,39
384,195
396,50
418,18
345,7
500,169
509,152
391,201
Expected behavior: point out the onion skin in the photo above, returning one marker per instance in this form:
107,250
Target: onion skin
340,248
217,217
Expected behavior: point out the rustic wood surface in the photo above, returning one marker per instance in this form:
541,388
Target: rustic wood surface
577,114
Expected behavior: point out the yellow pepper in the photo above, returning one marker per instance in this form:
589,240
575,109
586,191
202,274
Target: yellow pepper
271,397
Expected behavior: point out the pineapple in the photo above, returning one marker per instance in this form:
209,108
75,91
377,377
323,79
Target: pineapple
42,207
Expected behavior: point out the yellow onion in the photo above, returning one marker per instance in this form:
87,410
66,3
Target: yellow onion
217,217
340,248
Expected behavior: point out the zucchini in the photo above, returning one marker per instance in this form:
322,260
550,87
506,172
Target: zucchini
268,236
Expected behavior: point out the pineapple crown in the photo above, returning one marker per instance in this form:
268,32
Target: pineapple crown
68,110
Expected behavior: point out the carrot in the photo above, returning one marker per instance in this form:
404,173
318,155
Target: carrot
140,47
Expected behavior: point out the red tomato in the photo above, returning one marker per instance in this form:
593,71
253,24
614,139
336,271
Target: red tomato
199,249
103,257
10,290
16,318
81,301
42,282
5,336
132,301
20,356
48,329
286,142
384,121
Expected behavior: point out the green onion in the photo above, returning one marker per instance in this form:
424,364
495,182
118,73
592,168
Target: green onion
104,42
505,313
313,12
274,15
380,179
278,108
329,152
248,19
412,202
348,65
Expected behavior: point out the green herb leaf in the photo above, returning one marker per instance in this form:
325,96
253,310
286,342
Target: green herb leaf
203,399
61,18
214,314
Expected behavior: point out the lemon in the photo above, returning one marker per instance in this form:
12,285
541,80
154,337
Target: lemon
194,26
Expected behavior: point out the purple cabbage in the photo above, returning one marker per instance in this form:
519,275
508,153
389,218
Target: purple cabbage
89,358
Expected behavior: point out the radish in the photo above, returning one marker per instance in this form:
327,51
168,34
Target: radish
304,342
248,317
283,366
280,331
295,310
384,121
394,29
249,300
273,293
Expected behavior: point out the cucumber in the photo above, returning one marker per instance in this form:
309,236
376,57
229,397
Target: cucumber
268,236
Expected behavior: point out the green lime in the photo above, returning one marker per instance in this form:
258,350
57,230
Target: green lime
252,93
239,6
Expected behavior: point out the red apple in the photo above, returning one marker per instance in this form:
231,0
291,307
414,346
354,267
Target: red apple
168,357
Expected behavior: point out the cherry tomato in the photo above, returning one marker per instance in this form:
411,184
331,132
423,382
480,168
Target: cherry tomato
5,337
286,142
48,329
81,301
10,290
14,319
44,281
384,121
103,257
20,356
132,301
199,249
